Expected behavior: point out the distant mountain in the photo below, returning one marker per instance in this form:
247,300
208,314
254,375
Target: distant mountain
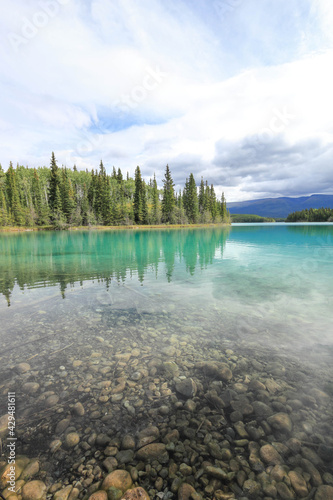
280,207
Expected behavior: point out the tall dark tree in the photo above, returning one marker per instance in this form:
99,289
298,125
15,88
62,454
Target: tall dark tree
68,196
191,206
3,208
156,212
202,198
224,212
41,207
168,200
55,201
16,212
137,202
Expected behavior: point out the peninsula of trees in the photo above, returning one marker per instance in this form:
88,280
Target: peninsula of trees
312,215
64,197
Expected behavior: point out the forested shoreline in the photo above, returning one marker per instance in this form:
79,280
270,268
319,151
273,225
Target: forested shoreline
61,198
312,215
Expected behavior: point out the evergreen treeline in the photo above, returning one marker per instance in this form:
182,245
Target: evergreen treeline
312,215
62,197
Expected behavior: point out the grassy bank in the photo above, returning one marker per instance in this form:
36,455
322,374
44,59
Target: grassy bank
112,228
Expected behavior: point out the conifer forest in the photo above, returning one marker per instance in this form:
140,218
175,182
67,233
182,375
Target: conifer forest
63,197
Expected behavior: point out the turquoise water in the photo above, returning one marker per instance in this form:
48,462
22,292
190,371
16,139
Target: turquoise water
267,284
116,320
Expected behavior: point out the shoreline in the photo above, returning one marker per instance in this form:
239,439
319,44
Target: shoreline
112,228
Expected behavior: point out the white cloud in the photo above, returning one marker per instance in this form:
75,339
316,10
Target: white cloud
236,80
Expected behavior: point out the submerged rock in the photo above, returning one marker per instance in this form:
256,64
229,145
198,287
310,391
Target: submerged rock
186,387
34,490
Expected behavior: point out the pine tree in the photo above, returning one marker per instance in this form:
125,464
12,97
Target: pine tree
168,201
39,203
138,201
3,208
156,213
191,207
224,213
202,197
106,210
17,215
68,196
213,202
144,203
55,201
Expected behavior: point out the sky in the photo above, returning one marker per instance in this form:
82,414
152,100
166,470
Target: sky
238,92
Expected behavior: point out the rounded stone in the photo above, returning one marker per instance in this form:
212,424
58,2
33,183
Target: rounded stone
55,445
22,368
324,493
125,456
186,491
51,400
251,488
128,442
63,493
261,409
153,451
186,387
120,479
281,422
99,495
284,492
78,409
34,490
72,439
136,494
223,372
269,455
30,470
30,387
298,483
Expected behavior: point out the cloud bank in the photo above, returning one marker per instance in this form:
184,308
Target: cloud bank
237,92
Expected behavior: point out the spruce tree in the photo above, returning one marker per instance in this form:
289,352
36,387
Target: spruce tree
16,212
137,201
39,202
224,212
144,203
202,197
156,216
191,208
68,196
3,208
168,201
55,201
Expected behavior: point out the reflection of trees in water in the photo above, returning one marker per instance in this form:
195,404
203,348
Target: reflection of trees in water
317,230
65,258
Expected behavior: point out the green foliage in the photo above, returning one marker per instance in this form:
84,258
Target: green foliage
250,218
140,207
168,201
312,215
190,200
66,197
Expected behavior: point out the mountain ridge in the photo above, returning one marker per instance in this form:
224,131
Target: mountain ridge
280,207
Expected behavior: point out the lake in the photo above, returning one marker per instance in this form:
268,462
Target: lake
167,350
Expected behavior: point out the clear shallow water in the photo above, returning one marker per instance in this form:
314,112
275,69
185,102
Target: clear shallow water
87,310
271,284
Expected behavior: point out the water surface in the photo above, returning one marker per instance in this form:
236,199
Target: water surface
88,310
